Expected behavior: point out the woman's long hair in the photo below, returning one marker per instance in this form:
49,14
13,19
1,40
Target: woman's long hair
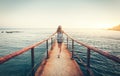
59,29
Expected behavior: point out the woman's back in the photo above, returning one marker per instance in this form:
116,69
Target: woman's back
60,37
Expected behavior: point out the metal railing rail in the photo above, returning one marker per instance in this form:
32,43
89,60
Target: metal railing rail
89,48
31,47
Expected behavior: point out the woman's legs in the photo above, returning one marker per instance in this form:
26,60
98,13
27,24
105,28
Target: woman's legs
60,47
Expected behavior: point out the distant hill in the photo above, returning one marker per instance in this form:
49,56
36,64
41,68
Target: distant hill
117,28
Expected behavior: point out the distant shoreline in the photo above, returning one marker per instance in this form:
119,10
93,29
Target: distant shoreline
115,28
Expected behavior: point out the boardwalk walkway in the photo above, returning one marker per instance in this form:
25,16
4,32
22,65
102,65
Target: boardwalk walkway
63,66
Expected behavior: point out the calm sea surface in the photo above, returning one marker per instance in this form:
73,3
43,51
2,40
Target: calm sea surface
21,65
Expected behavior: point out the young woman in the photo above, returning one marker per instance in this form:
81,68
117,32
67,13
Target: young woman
59,39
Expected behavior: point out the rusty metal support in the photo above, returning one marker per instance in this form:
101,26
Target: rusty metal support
47,48
72,49
67,42
88,60
32,61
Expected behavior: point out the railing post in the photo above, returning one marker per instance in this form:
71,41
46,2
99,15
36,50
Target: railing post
67,42
51,41
32,61
88,58
72,49
47,48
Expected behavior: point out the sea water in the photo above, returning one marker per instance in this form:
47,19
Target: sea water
106,40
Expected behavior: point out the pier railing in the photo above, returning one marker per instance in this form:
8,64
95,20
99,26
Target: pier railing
89,49
32,47
29,48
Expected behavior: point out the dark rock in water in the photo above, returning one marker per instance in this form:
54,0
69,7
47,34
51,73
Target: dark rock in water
2,31
9,32
12,31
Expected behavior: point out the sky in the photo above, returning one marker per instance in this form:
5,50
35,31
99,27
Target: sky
67,13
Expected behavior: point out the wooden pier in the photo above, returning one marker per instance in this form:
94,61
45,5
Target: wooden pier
62,66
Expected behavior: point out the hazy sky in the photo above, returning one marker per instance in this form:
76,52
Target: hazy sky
68,13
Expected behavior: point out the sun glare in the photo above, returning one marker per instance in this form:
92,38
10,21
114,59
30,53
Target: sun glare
104,26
